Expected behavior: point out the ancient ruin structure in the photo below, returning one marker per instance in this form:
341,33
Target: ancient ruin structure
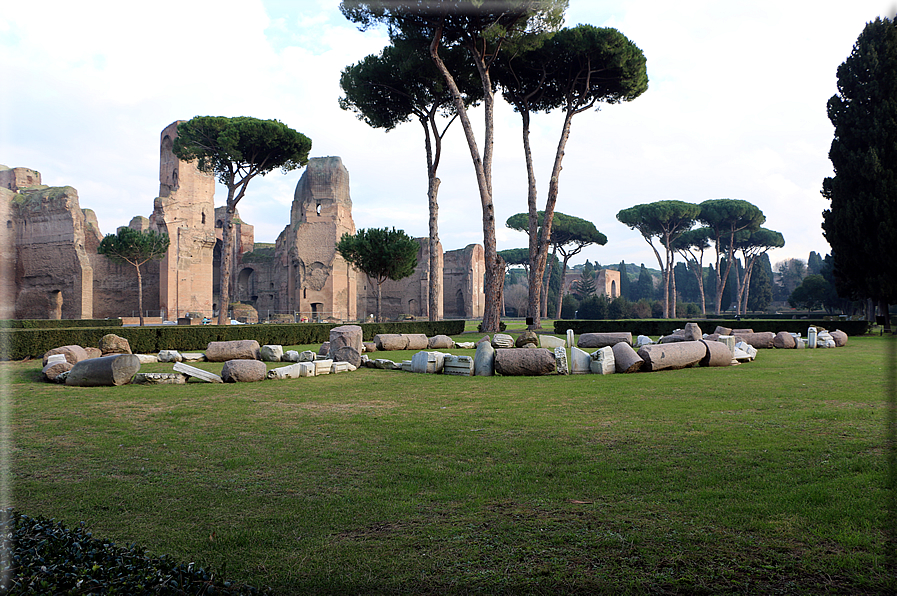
185,210
49,266
303,275
607,282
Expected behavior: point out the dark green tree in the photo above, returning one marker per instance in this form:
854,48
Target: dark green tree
625,283
814,263
400,84
573,71
482,29
667,220
380,253
811,293
752,244
236,150
760,285
134,248
569,236
861,222
727,217
645,284
585,286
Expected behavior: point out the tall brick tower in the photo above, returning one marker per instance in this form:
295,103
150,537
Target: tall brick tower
185,210
320,284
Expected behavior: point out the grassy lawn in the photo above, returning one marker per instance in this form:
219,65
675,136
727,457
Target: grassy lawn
762,478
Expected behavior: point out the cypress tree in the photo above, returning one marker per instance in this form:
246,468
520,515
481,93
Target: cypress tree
861,224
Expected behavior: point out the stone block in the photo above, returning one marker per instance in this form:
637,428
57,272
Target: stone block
56,368
535,362
340,367
73,354
389,342
502,340
580,361
551,342
722,330
290,356
369,346
407,366
241,349
741,355
570,338
197,373
322,367
271,353
285,372
484,360
159,378
243,370
840,338
116,369
729,341
193,357
440,342
672,356
307,369
601,361
347,354
465,345
561,366
461,366
643,340
169,356
346,336
54,358
114,344
427,362
147,358
718,354
527,338
601,340
761,341
742,331
307,356
747,348
627,360
93,352
324,350
784,341
417,341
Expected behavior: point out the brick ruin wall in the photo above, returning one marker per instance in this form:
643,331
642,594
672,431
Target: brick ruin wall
49,267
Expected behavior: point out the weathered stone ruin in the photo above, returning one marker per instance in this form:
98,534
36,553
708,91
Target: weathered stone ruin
49,267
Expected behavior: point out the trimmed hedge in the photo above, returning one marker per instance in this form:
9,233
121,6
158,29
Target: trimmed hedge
57,323
33,343
654,327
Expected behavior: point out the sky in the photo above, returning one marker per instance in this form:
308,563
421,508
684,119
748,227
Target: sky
735,108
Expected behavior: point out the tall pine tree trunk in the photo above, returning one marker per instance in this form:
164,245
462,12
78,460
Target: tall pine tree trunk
494,264
140,293
227,240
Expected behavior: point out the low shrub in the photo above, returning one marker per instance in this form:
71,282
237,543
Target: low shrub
57,323
17,344
48,558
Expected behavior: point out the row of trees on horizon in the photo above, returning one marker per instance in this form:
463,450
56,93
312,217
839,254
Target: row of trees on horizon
798,283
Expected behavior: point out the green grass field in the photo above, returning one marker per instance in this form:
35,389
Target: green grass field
767,477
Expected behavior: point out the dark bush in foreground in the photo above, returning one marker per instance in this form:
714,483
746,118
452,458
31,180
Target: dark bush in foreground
48,558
